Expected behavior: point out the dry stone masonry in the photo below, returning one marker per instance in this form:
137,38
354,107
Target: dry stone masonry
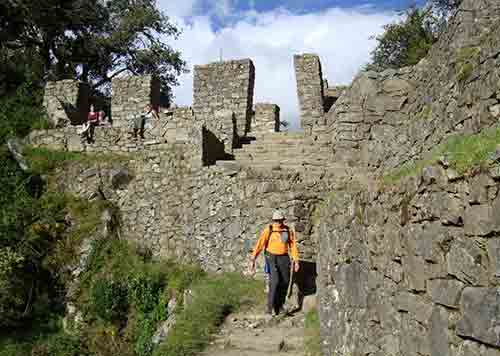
225,86
309,79
266,119
410,268
66,102
131,95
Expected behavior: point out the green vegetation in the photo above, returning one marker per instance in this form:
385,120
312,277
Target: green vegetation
406,42
123,295
462,152
88,40
21,112
425,113
44,160
467,60
312,335
214,298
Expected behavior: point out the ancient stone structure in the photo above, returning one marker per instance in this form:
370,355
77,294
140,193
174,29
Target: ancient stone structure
266,119
405,268
411,268
310,87
225,86
131,95
66,102
414,268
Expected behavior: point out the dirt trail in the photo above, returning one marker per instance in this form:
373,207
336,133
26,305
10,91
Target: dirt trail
255,334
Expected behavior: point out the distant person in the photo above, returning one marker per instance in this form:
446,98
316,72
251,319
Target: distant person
89,126
103,119
144,120
278,241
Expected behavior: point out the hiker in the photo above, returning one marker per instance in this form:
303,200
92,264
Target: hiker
277,240
144,120
103,119
92,122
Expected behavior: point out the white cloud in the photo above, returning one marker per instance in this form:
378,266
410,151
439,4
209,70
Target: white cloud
340,36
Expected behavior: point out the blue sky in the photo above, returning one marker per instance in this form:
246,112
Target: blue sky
316,5
270,32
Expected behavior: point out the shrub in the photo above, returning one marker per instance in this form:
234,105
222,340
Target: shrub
108,300
213,299
21,111
64,345
406,42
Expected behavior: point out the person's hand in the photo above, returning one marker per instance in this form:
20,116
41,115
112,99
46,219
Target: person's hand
296,266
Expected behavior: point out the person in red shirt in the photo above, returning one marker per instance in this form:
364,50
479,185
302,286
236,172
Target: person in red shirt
92,121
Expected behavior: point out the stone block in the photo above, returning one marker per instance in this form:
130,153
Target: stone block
480,320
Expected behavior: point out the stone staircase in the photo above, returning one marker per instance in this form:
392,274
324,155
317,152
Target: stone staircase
288,151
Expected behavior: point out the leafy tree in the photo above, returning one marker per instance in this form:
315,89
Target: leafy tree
406,42
91,40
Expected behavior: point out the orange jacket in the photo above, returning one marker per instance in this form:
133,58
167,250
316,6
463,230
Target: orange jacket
275,245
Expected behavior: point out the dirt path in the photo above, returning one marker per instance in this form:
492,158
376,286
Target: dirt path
255,334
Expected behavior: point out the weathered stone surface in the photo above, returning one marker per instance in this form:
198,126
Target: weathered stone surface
445,291
265,119
131,95
438,333
468,262
310,90
481,315
227,86
66,102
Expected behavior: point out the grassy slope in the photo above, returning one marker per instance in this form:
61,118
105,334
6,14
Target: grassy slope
462,152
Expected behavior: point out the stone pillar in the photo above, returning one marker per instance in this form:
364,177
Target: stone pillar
131,95
266,118
225,86
309,90
66,102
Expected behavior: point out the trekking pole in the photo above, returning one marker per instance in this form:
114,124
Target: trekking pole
290,283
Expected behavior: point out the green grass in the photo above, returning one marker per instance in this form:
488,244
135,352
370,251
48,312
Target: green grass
312,340
463,152
44,161
213,298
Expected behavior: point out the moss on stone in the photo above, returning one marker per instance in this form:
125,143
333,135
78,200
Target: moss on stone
463,152
467,59
425,113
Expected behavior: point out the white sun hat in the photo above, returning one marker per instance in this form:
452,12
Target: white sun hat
278,215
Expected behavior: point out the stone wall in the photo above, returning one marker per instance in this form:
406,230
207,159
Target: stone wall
66,102
208,215
225,86
131,95
179,122
110,139
389,118
309,79
412,269
266,118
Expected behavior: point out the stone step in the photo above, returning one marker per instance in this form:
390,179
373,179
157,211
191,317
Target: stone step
319,152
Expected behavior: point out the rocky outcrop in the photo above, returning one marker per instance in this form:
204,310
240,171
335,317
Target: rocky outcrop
412,269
